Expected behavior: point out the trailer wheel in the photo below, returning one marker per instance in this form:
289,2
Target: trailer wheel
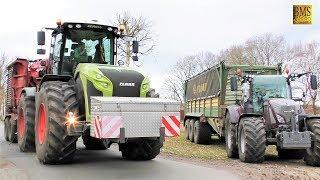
231,138
290,153
6,128
186,129
252,140
312,156
55,100
12,131
92,143
142,149
202,134
191,130
25,123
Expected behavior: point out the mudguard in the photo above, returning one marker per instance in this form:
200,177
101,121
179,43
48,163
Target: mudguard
51,77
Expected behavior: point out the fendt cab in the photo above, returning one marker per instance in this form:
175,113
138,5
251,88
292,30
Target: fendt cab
79,91
267,114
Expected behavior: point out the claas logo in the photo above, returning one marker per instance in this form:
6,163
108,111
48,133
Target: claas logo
197,89
302,14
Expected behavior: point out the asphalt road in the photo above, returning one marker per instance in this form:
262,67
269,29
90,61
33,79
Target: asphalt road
106,164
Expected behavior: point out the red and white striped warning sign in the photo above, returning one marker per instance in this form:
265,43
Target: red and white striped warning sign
172,125
107,126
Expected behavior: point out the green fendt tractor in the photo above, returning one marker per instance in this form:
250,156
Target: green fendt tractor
79,91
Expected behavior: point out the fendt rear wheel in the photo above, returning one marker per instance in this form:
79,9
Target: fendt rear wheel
231,138
291,153
186,129
312,156
25,124
92,143
191,130
202,133
12,131
6,128
141,149
251,140
55,100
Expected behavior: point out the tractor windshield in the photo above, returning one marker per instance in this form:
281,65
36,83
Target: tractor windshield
265,87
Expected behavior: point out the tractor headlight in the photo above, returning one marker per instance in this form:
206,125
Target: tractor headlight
105,85
280,119
144,86
98,76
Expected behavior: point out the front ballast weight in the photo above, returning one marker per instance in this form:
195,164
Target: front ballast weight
122,118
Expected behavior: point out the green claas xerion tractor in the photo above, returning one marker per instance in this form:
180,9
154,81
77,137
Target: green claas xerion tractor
79,91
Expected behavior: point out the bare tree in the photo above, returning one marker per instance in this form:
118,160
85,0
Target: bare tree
141,29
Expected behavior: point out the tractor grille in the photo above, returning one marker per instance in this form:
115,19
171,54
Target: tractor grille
126,83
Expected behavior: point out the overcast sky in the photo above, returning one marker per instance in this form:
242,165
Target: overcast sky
183,27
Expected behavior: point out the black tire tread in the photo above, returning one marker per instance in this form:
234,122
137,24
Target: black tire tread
142,149
92,143
202,133
312,156
186,129
191,130
233,151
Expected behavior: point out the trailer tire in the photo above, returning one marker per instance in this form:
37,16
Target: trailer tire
186,129
202,133
290,153
12,132
6,128
231,138
55,100
25,123
312,156
251,140
142,149
92,143
191,130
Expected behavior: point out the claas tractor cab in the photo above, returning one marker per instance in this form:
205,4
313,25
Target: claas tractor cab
267,114
80,91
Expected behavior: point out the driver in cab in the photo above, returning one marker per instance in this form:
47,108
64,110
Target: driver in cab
80,53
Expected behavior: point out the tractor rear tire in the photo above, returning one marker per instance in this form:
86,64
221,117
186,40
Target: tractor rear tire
291,153
6,128
202,133
252,140
12,131
92,143
312,156
186,129
25,123
191,130
231,138
142,149
55,100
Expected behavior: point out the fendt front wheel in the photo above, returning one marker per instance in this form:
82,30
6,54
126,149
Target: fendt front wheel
231,138
251,140
55,100
141,149
186,129
6,128
312,156
25,123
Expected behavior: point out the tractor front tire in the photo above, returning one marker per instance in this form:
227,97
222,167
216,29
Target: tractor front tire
6,128
191,130
141,149
252,140
312,156
55,100
92,143
186,129
291,153
202,133
25,123
231,138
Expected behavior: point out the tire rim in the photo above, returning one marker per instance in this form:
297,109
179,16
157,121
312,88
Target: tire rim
21,124
242,141
42,124
228,137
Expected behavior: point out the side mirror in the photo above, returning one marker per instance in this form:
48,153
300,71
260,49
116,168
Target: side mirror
234,83
41,37
135,47
313,82
135,58
41,51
